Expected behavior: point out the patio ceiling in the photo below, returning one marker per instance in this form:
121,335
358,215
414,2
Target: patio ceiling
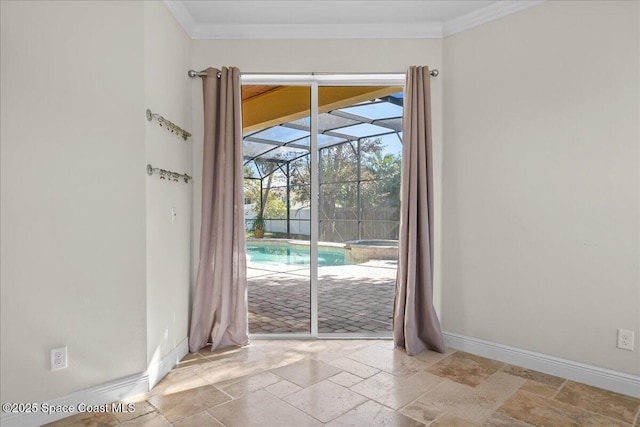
280,131
263,106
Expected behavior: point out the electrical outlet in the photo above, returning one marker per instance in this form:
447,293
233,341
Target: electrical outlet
58,358
625,339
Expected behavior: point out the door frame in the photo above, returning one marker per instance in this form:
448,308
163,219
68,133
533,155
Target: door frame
314,81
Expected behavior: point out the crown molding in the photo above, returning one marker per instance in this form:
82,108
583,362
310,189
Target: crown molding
486,14
182,15
426,30
317,31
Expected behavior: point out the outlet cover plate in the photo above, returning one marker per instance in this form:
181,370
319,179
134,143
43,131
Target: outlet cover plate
625,339
58,358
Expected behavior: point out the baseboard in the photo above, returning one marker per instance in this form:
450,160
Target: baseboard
159,368
103,394
607,379
99,395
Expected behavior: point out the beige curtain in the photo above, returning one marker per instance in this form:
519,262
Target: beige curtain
219,312
415,322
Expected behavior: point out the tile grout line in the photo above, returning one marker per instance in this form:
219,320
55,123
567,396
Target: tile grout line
153,406
444,380
300,409
445,357
558,391
508,397
399,410
221,423
225,393
439,416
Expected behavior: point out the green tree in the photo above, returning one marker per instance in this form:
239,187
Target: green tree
339,173
384,190
379,186
269,204
275,207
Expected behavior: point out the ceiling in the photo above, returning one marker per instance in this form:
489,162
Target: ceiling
330,19
264,106
346,115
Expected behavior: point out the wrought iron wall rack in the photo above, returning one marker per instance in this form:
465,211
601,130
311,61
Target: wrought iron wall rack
168,175
170,126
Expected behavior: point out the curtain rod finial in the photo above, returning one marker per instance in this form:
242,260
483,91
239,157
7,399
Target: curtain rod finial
434,73
192,73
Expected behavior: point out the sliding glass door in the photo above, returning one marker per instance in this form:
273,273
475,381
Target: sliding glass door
322,177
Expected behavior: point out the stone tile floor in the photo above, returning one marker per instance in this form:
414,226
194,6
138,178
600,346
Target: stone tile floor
362,383
351,298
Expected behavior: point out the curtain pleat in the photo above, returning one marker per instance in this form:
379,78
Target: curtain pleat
219,312
415,322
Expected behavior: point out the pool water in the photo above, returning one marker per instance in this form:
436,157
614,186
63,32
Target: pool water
292,255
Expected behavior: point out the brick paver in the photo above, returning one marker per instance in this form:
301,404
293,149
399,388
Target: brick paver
351,299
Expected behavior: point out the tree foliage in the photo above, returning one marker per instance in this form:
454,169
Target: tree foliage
379,185
339,175
270,205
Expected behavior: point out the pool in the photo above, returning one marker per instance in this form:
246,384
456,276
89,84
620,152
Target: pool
294,254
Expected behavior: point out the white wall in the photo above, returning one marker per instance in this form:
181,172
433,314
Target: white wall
167,50
73,195
305,56
540,178
90,256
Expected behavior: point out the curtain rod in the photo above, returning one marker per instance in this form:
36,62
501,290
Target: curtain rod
193,73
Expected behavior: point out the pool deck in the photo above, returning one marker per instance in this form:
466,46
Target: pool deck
355,298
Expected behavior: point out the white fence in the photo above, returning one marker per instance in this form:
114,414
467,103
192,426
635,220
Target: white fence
299,221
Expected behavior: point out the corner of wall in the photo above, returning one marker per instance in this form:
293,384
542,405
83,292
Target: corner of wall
168,210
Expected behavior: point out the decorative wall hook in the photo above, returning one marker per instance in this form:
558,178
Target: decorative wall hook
172,127
168,175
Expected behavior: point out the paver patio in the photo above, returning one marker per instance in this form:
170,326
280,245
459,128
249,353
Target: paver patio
355,298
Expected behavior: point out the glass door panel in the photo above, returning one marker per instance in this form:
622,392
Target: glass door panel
277,207
359,200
